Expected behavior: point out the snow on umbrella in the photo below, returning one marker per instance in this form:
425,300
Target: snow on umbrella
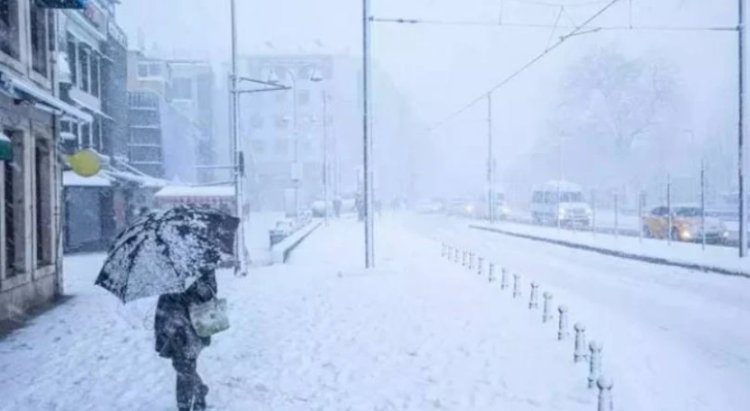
165,251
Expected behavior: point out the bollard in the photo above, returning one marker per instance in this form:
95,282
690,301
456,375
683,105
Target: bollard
464,257
457,257
504,279
562,332
533,298
547,314
595,362
491,273
480,264
605,394
442,250
580,345
471,261
516,285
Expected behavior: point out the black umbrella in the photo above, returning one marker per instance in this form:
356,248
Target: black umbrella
165,252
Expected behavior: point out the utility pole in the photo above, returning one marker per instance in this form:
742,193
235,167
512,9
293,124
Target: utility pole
239,268
741,131
490,163
325,154
367,138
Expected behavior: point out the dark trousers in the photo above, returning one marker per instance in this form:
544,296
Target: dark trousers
191,393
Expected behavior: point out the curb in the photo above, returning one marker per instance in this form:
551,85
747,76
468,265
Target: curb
281,251
619,254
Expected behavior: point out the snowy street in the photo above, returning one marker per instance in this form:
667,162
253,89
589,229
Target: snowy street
417,333
664,329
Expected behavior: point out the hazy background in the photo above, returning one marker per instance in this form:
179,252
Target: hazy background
439,68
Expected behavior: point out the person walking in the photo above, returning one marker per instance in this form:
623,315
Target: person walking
177,339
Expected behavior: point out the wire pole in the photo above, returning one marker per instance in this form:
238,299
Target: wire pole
490,165
239,268
669,209
741,131
703,204
367,138
325,154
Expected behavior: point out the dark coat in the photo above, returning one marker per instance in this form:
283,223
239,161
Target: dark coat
175,335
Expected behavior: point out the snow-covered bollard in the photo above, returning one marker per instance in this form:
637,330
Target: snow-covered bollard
442,249
580,345
533,298
605,394
562,331
547,308
504,279
457,256
471,261
516,285
595,362
480,265
491,272
464,258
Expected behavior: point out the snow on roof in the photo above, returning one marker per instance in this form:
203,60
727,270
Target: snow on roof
71,179
202,191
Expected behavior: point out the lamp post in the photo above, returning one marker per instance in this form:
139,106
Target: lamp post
296,172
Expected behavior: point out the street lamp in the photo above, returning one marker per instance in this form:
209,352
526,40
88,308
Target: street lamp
296,172
317,77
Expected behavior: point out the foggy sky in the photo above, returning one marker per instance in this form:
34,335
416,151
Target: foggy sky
440,68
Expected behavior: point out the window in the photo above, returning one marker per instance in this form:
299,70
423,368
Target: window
142,70
73,58
9,31
281,122
281,147
259,147
95,75
96,136
304,97
86,136
43,190
182,89
83,61
13,208
145,154
38,17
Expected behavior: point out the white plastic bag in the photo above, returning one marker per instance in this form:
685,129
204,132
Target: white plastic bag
210,318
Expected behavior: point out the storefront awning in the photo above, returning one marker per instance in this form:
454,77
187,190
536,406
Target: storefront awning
6,148
63,4
28,90
71,179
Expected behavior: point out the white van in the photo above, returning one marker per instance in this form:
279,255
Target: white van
560,201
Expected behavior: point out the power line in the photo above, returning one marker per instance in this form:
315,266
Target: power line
577,31
480,23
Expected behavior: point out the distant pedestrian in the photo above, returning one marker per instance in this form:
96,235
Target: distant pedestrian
176,338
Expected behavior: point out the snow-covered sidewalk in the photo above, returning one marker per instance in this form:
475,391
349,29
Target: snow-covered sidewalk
318,333
718,258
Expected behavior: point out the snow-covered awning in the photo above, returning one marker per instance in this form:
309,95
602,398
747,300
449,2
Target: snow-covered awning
63,4
191,191
25,88
71,179
141,180
6,148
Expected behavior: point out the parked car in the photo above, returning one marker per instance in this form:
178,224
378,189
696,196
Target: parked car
685,225
560,201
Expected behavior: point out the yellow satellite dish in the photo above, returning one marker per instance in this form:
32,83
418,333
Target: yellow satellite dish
85,163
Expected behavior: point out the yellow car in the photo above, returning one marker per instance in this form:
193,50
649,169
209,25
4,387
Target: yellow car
685,225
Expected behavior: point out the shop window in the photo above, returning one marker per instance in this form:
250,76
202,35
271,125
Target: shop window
44,198
13,214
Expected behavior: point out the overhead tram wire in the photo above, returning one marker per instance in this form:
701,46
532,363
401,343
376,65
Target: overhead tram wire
577,31
506,25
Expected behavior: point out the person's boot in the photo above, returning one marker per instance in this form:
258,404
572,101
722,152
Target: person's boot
200,398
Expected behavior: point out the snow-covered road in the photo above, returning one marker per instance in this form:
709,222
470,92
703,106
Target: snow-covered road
674,339
317,334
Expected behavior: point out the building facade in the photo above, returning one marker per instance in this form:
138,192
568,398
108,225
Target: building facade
31,112
171,117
